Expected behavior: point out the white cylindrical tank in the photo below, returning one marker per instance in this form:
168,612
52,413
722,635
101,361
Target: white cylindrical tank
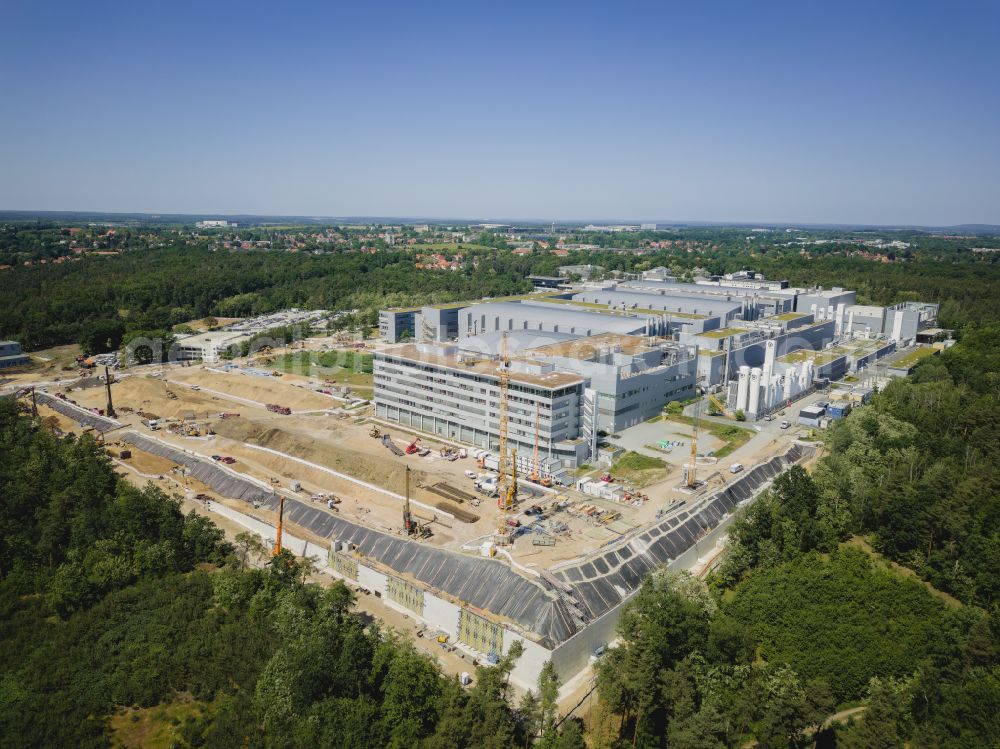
743,387
770,351
753,402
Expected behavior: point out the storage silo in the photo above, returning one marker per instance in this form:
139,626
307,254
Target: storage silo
743,387
753,402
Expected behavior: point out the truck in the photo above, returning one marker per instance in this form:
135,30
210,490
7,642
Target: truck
487,485
152,424
275,408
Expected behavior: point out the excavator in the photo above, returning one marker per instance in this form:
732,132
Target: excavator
375,432
412,447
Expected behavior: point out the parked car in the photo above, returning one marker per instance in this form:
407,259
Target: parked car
785,425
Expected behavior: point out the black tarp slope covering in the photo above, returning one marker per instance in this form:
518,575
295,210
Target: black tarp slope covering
482,583
596,584
78,414
606,578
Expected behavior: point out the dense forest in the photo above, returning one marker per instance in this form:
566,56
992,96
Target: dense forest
112,600
164,278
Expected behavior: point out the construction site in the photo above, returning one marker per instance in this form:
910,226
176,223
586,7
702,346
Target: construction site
476,546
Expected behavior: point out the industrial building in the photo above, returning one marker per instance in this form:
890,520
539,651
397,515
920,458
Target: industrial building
212,346
208,347
11,355
565,388
604,356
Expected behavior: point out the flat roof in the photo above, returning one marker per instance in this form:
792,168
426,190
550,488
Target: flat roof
541,310
588,348
483,366
488,344
607,309
818,357
912,357
722,332
215,336
651,300
709,289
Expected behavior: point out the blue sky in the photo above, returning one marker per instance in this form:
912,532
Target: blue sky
877,112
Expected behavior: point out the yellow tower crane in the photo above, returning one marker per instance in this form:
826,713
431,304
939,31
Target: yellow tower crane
692,468
506,482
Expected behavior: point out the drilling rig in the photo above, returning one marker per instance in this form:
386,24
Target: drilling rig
408,527
107,384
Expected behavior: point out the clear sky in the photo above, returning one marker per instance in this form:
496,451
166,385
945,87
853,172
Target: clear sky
869,112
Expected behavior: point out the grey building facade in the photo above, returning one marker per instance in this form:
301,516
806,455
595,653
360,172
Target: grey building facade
11,355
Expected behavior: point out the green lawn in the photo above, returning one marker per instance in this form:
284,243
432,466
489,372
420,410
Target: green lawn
346,367
911,359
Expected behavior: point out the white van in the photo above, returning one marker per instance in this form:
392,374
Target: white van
736,468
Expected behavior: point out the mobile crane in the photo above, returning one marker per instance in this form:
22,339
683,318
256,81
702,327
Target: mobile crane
281,518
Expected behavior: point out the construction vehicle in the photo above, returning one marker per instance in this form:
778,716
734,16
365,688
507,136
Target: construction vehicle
408,525
412,447
108,379
393,448
281,518
375,432
719,405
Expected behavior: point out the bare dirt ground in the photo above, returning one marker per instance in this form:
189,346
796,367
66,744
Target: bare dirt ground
315,445
46,365
152,395
285,390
